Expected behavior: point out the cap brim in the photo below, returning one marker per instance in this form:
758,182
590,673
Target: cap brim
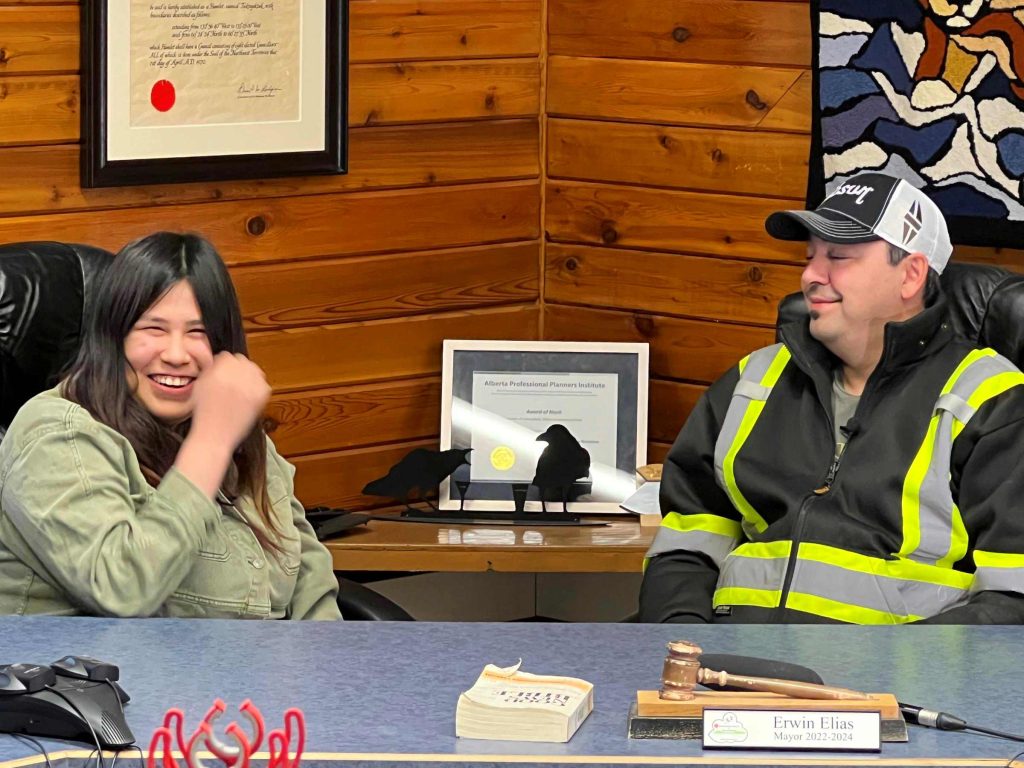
830,226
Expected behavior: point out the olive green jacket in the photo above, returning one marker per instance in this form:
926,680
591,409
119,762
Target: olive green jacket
83,532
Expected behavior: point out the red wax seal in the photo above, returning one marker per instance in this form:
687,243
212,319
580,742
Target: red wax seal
162,95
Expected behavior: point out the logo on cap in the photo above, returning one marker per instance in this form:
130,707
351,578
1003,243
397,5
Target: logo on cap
859,190
912,222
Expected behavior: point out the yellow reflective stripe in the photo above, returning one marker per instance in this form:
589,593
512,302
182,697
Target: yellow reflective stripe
984,559
743,364
992,387
750,418
833,609
908,570
765,550
765,598
911,506
958,541
722,526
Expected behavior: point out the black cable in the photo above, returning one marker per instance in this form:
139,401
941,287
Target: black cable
944,721
95,738
24,737
142,755
1013,759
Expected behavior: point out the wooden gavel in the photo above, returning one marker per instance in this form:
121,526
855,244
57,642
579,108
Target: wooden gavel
682,672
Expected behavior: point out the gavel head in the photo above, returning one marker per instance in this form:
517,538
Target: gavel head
679,675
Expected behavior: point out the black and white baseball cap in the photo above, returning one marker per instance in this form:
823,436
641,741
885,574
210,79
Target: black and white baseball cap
872,206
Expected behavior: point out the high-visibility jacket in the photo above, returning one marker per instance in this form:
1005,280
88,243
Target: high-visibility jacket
922,516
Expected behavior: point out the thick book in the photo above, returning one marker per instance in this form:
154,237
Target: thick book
510,705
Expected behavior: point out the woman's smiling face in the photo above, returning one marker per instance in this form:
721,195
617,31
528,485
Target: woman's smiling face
167,350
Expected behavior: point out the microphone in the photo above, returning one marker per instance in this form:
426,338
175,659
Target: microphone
944,721
851,428
751,666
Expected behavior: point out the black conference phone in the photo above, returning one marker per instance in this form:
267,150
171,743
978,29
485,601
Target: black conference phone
76,698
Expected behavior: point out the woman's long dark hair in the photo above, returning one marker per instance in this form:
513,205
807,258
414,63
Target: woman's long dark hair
143,272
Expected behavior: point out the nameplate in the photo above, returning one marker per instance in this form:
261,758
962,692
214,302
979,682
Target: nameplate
842,731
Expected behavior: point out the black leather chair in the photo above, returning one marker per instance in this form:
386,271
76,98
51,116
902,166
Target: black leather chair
986,307
46,290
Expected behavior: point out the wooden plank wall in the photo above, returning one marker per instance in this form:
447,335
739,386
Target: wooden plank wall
673,127
348,283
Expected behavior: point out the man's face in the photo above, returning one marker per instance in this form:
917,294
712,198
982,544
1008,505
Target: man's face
851,291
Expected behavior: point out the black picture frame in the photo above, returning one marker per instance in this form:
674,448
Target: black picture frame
98,171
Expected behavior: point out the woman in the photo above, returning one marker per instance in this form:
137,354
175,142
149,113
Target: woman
144,485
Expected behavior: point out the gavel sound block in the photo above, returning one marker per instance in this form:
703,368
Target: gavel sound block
676,711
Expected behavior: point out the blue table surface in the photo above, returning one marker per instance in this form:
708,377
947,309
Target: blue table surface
392,687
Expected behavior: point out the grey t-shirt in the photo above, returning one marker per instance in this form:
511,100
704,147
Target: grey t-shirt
844,405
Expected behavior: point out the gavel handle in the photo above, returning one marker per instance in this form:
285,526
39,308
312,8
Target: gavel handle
785,687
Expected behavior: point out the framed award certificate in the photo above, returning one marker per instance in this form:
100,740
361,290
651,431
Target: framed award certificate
518,406
208,90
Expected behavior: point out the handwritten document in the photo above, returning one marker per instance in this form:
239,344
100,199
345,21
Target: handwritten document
215,62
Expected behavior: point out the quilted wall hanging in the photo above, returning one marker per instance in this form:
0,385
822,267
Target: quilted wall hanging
929,90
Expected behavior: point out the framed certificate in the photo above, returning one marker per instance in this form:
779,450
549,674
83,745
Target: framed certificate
519,404
202,91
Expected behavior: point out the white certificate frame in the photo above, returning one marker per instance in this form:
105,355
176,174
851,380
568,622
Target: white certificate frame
459,358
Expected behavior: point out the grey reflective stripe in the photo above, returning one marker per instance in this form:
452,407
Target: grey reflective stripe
961,409
714,545
900,597
751,389
999,579
936,498
753,573
748,388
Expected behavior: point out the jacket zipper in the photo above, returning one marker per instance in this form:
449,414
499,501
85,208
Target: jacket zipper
801,516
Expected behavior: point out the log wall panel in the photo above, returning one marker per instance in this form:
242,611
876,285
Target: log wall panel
730,226
694,286
665,92
39,179
398,30
321,356
734,31
38,109
762,163
337,418
670,404
288,228
36,40
348,283
690,350
377,287
656,452
450,90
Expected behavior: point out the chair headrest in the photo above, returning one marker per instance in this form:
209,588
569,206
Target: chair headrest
986,307
45,293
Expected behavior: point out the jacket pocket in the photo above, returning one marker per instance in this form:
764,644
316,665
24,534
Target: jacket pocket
215,546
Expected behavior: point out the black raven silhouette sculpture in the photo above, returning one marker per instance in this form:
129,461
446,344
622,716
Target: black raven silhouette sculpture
562,462
420,470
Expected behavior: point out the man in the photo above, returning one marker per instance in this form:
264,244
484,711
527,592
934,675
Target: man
864,470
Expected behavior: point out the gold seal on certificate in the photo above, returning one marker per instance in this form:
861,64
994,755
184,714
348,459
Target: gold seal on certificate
503,458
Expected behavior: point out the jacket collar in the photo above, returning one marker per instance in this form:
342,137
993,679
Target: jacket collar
905,343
